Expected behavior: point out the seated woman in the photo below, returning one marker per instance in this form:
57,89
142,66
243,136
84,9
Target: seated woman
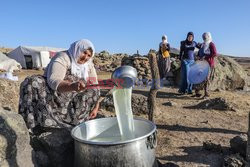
59,98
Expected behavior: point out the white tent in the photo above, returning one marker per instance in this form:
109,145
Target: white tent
33,57
8,64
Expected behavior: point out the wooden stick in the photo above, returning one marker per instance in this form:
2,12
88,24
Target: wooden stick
248,141
152,107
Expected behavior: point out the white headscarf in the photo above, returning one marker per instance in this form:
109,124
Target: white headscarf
76,48
165,40
207,37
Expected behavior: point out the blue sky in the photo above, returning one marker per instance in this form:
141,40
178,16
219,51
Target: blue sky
125,25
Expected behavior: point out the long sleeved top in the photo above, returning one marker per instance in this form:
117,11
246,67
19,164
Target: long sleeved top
57,68
168,47
213,53
187,50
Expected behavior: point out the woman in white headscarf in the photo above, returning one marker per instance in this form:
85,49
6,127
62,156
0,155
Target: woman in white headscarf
164,63
59,98
207,52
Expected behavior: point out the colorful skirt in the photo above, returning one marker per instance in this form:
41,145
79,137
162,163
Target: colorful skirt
40,105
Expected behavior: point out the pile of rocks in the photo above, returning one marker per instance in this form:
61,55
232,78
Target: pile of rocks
219,103
238,147
106,62
139,104
229,75
51,147
235,156
141,64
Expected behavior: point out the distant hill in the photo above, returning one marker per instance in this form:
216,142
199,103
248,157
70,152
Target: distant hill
5,50
244,62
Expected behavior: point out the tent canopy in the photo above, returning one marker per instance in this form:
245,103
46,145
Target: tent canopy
33,57
8,64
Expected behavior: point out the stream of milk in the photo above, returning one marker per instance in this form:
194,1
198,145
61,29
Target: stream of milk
123,109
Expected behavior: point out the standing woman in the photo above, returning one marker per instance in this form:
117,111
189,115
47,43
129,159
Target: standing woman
187,58
164,63
207,52
59,98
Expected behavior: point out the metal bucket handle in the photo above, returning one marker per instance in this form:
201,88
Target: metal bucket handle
151,141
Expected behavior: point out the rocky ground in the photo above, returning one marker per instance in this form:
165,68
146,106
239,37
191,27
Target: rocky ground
185,123
183,126
191,131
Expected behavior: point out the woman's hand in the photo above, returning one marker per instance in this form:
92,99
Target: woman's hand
78,86
94,112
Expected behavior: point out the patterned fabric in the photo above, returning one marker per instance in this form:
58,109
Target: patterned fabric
164,65
40,105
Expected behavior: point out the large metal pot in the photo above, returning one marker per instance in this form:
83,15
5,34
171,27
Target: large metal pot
138,152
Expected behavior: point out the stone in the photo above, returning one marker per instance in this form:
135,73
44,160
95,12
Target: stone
106,62
215,104
229,75
42,159
209,146
170,103
15,149
9,98
139,104
234,161
169,164
58,145
239,145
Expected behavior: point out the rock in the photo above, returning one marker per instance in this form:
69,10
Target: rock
141,107
42,159
215,104
234,161
116,63
15,149
175,65
239,145
58,146
229,75
169,164
139,104
209,146
104,61
170,103
9,98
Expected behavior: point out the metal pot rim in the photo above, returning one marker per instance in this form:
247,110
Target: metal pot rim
113,143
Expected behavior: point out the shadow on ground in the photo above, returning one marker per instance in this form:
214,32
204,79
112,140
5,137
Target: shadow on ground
193,129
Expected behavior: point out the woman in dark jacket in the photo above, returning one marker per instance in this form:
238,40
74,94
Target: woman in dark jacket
187,58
